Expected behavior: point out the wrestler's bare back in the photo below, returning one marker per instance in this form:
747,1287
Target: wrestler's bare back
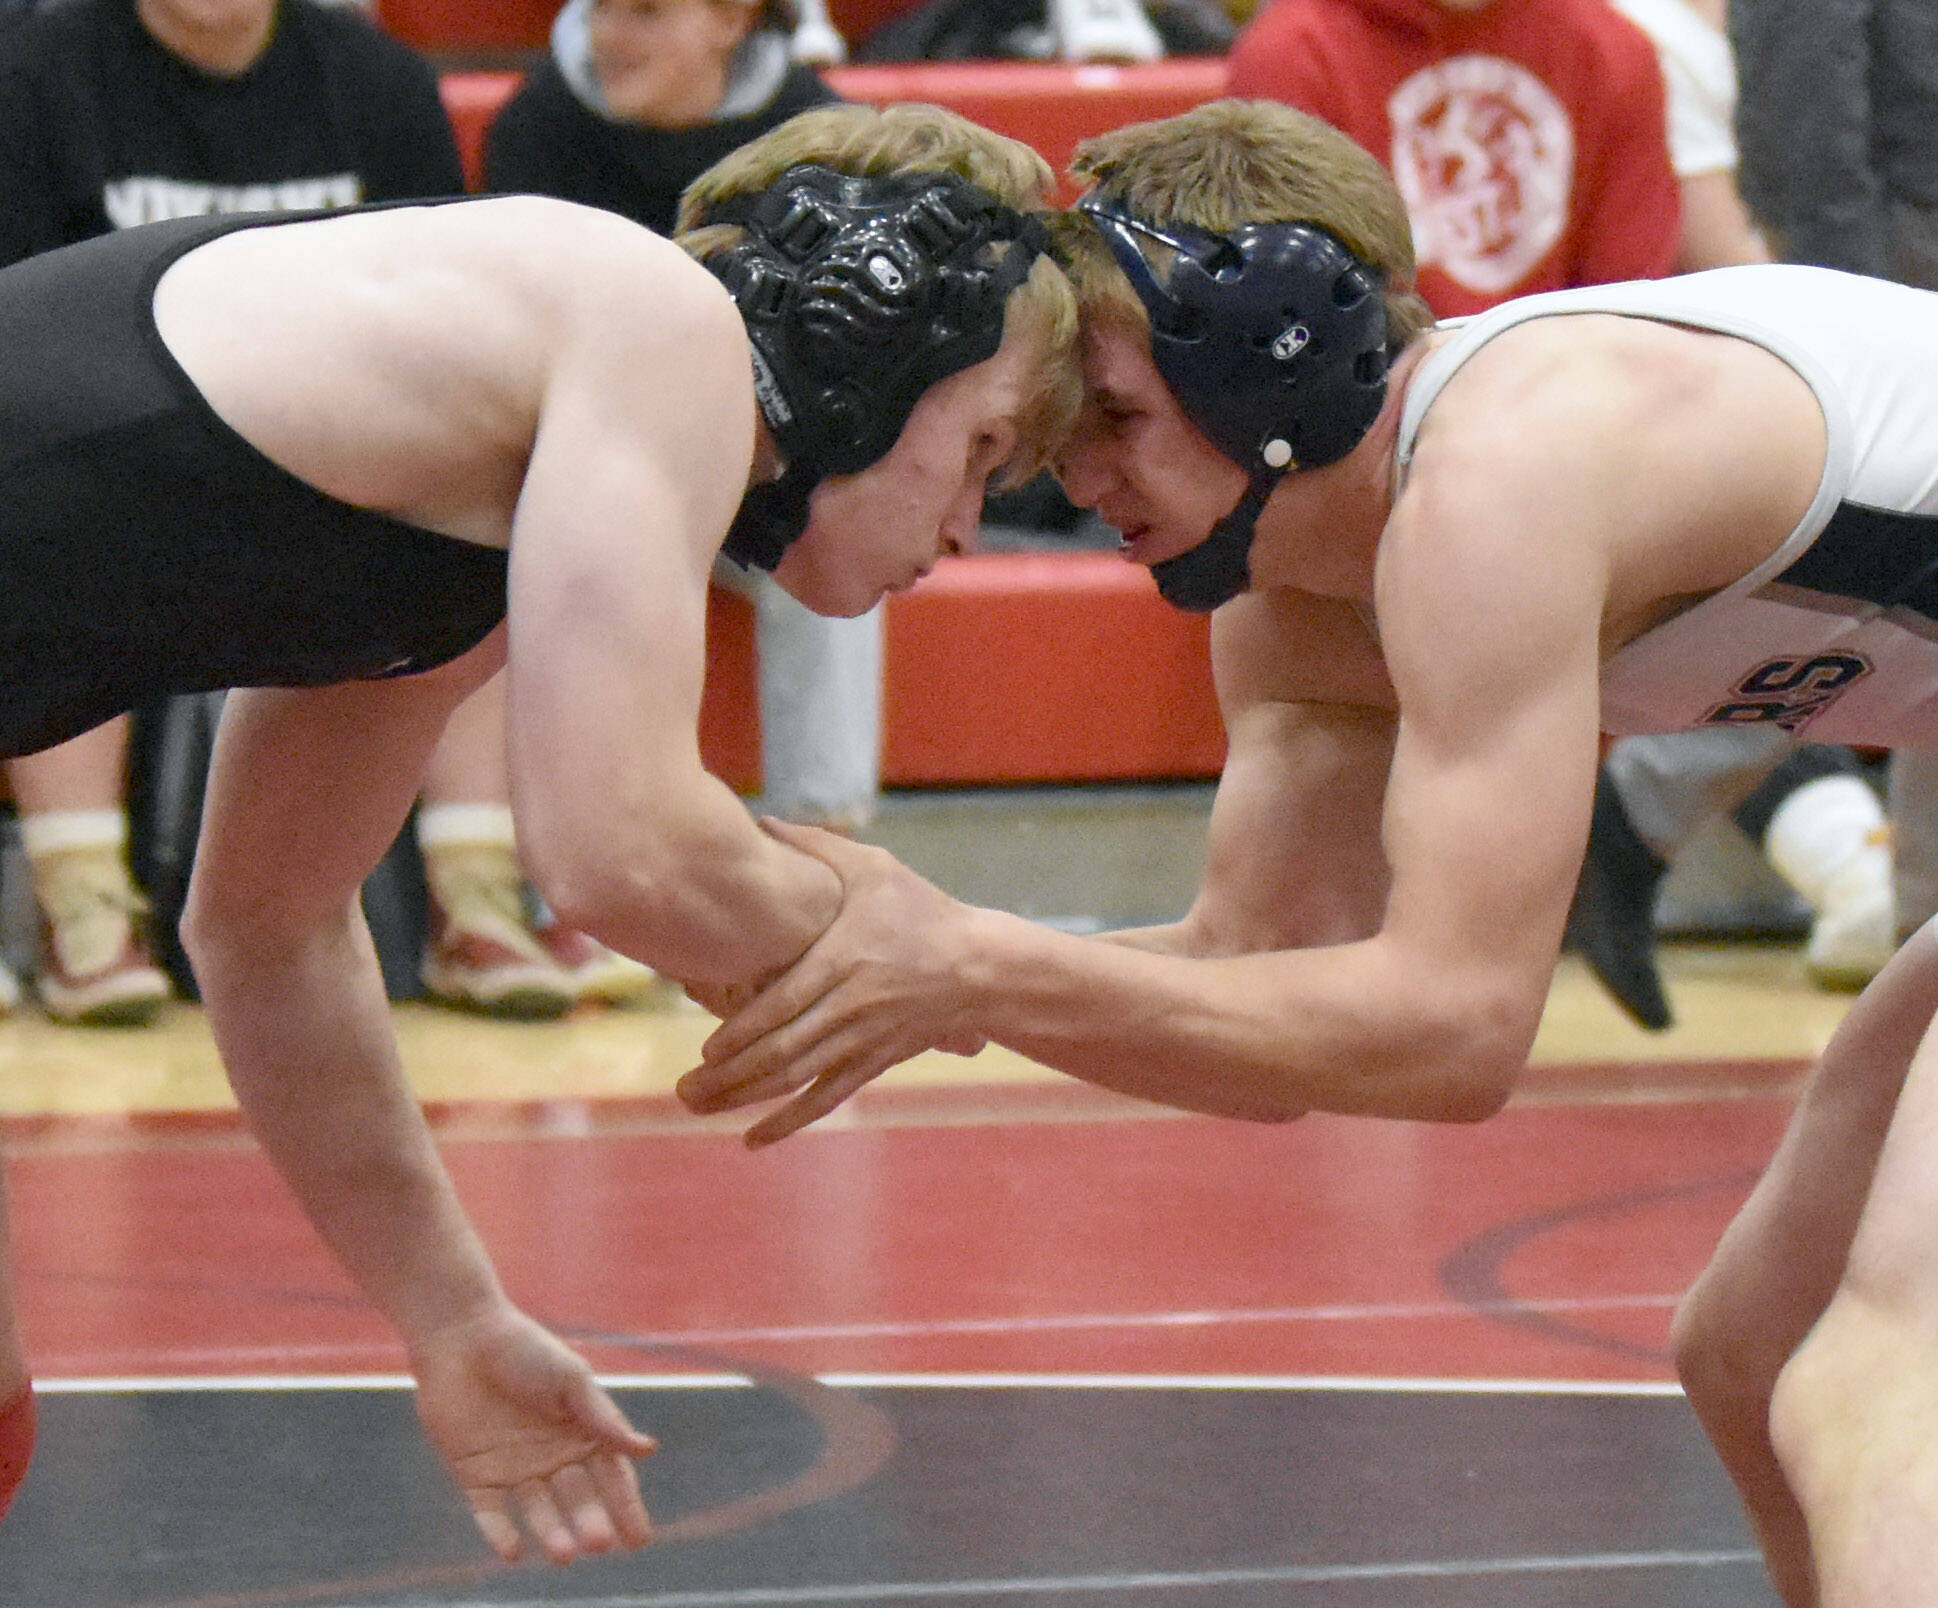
406,360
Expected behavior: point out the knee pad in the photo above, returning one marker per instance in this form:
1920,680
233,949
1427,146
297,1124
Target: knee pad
17,1419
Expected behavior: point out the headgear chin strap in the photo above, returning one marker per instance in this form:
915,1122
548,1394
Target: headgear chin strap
1273,340
858,295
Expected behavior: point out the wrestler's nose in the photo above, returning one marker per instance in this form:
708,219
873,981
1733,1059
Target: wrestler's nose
1085,469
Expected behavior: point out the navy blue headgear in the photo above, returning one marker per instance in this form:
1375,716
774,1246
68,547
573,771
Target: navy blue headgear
858,295
1273,340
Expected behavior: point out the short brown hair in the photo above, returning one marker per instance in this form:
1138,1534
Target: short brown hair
869,140
1234,162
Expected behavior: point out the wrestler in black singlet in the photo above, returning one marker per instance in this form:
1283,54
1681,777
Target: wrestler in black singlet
146,548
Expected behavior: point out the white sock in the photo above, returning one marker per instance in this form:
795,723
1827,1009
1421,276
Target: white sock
60,831
1824,829
443,826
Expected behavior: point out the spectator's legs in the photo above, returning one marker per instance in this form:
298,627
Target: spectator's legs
491,947
481,952
95,963
1652,795
1913,800
820,709
1814,818
1669,786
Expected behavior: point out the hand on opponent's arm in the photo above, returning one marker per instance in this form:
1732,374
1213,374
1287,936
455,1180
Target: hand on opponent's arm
1301,789
1379,921
880,985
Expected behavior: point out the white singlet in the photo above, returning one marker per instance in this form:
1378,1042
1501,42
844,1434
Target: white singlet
1835,635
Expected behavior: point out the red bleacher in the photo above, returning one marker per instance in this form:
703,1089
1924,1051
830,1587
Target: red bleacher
1047,105
468,26
444,27
1007,667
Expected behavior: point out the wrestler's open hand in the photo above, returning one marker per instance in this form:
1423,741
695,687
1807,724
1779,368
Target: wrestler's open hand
536,1445
883,983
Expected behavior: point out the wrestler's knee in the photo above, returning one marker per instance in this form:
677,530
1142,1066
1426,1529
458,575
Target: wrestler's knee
17,1420
1724,1341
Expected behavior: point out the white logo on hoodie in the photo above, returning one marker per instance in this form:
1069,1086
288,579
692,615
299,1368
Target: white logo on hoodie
1485,158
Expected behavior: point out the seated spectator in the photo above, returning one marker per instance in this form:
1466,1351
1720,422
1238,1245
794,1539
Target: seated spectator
1819,825
1050,30
1527,136
635,100
121,112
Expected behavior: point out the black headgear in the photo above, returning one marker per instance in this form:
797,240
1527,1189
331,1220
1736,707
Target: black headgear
1273,340
858,295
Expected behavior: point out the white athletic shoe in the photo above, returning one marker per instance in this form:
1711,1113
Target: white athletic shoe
96,969
1855,931
1829,840
9,991
1103,30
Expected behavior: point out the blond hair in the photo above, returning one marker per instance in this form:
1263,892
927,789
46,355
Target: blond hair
1235,162
873,140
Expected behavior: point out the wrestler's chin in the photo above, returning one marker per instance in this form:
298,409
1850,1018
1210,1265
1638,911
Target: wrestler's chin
835,596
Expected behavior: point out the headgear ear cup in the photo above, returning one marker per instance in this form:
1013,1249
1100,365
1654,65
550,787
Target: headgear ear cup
858,295
1273,341
17,1425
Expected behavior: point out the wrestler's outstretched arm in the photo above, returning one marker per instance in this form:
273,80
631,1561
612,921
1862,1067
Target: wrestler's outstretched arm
1293,856
307,789
638,469
1493,650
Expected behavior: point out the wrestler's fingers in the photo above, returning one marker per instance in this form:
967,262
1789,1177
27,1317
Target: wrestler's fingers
722,1083
818,1100
579,1502
600,1416
792,994
842,855
491,1508
618,1483
543,1519
791,1059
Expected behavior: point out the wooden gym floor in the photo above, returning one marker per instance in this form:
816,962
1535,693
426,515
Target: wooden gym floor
987,1337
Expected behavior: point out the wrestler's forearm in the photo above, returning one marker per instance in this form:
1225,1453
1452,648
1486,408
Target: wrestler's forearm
1265,1037
304,1031
692,887
1173,938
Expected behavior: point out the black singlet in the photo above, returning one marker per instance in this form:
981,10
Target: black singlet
146,548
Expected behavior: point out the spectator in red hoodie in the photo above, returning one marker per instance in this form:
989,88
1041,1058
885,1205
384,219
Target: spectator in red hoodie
1527,136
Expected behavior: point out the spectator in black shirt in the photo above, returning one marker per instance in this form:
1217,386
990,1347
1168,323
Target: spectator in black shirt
115,113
